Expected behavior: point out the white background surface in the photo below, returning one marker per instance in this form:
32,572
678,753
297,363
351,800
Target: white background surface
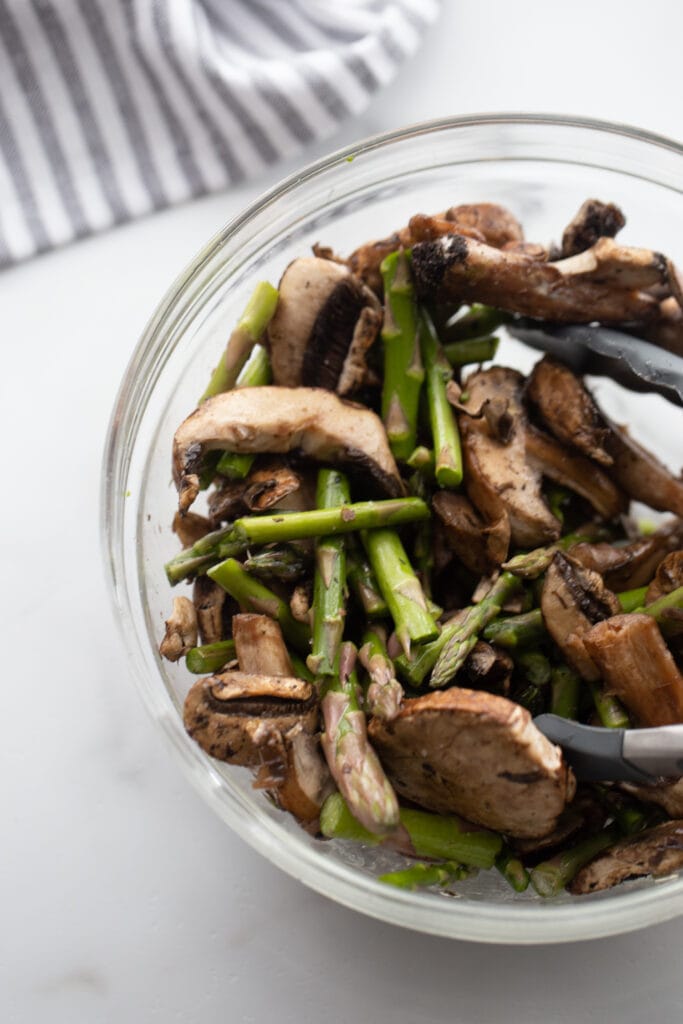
123,898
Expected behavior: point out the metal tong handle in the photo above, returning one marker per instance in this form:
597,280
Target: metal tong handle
616,755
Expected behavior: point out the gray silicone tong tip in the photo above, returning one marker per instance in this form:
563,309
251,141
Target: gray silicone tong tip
604,352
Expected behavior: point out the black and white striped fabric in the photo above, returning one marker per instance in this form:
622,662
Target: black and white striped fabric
110,109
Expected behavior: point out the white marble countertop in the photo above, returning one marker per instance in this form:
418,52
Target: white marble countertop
124,898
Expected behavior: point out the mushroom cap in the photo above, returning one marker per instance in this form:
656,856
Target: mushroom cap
313,421
475,754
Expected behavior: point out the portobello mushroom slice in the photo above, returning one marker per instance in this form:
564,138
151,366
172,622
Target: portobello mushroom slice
669,576
275,419
657,851
630,565
297,775
568,410
571,414
574,471
238,717
481,545
475,754
594,220
459,269
325,321
636,664
668,795
486,222
499,477
572,600
190,528
266,486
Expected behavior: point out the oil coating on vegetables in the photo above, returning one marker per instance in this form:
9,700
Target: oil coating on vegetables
408,549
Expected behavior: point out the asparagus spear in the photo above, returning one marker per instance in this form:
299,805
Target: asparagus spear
632,600
283,562
421,834
363,582
419,876
565,688
385,693
516,630
249,329
329,585
257,373
535,666
459,645
447,449
210,658
532,564
415,668
667,611
353,763
610,712
512,869
254,597
478,320
422,460
400,587
472,350
551,876
361,515
198,557
403,371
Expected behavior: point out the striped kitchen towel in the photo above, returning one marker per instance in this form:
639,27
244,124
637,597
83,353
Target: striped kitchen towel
110,109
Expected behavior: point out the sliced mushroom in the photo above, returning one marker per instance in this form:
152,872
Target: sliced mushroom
657,851
572,600
668,795
210,602
475,754
265,487
260,646
240,718
636,665
669,577
486,222
630,565
594,220
642,476
489,668
325,321
584,813
459,269
190,528
480,545
574,471
181,630
568,410
498,476
275,419
297,775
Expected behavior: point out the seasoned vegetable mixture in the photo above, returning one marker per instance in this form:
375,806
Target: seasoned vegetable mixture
408,550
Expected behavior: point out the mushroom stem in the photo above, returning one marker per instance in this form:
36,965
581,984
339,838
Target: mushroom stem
477,616
403,370
252,596
256,374
329,585
353,763
552,876
250,327
445,434
400,587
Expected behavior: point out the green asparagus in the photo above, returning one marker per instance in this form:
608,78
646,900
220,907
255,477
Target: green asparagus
403,370
329,587
247,333
444,427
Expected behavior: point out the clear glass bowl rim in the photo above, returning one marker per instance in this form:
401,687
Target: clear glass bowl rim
510,923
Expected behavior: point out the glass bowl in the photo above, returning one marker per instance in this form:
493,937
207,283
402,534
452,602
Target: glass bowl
542,168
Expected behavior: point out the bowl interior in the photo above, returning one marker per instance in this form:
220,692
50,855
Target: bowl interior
542,170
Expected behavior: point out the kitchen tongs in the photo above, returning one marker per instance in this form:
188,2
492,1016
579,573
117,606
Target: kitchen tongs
604,352
616,755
